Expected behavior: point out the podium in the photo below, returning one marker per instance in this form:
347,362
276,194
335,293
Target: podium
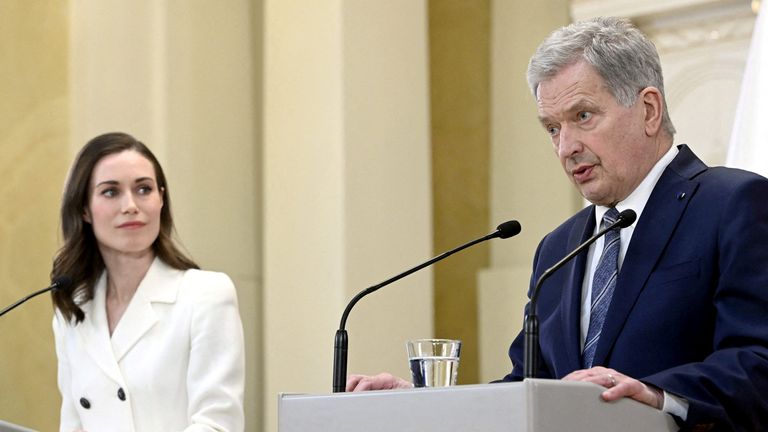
534,405
10,427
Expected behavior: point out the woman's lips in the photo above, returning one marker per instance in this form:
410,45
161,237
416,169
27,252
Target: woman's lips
132,225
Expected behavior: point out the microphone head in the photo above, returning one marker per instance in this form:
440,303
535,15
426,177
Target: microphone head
61,282
626,218
508,229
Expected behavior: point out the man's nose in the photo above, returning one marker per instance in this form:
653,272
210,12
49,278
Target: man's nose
569,142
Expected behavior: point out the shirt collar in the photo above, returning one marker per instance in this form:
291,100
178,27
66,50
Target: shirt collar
639,197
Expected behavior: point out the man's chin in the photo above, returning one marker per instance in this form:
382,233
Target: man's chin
595,198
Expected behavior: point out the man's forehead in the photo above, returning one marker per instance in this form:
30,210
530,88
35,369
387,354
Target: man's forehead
571,86
578,71
573,97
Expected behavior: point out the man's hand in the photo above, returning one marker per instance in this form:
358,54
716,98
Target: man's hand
382,381
619,386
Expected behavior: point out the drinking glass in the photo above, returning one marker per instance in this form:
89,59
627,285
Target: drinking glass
434,362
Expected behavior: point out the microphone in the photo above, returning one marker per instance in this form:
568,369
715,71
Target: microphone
59,282
531,325
506,230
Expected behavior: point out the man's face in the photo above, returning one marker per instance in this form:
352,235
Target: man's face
602,146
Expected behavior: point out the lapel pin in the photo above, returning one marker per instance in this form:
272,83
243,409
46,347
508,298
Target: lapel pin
681,195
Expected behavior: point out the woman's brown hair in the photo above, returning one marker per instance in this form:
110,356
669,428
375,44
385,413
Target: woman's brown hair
79,258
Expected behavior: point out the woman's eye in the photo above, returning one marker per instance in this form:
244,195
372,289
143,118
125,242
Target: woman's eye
109,193
145,190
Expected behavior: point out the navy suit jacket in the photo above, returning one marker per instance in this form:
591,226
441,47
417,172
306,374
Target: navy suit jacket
690,310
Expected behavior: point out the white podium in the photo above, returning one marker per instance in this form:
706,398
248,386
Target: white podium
533,405
10,427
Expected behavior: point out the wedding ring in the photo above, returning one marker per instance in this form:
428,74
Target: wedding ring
613,380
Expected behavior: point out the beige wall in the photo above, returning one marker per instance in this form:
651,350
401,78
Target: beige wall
305,184
183,77
347,187
179,77
527,182
460,50
491,162
33,158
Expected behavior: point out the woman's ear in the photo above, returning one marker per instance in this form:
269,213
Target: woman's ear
87,216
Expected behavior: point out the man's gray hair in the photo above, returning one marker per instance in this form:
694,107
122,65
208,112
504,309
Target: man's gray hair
623,56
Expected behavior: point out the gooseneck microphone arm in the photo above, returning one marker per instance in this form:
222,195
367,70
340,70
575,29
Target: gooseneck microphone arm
341,341
58,283
531,324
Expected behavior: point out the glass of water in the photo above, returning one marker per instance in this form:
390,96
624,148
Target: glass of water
434,362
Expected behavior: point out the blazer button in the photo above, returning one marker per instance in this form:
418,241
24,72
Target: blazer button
120,394
85,403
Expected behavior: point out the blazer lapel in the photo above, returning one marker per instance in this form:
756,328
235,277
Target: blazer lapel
661,215
570,302
160,285
94,332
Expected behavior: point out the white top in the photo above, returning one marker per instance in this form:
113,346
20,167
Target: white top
174,362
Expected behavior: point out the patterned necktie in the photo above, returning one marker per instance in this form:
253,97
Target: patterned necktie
603,285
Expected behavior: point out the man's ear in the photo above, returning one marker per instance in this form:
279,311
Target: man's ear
653,107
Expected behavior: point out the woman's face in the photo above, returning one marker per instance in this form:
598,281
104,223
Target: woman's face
124,204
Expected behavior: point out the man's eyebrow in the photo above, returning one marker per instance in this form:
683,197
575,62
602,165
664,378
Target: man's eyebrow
580,104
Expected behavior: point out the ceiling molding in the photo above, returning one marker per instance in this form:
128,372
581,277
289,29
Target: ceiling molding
633,9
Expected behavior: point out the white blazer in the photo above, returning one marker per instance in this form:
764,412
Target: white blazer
174,362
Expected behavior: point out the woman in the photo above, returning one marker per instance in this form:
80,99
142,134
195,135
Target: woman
145,341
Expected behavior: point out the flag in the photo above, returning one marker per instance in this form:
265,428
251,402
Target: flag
748,148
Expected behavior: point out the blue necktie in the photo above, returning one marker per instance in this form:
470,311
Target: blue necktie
603,285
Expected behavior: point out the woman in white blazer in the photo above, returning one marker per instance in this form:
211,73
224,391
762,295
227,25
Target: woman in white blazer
145,341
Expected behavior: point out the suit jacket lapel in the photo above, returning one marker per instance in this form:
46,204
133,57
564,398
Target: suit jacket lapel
160,285
661,215
94,332
570,302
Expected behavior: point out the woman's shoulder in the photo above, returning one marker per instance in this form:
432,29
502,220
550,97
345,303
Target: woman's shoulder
205,282
206,276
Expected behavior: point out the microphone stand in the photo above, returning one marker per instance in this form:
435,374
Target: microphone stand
341,340
531,323
59,282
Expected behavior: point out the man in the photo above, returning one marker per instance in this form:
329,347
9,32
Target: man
672,310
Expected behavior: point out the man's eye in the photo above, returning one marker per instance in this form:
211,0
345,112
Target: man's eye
552,130
585,115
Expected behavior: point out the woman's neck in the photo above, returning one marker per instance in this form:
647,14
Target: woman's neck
125,272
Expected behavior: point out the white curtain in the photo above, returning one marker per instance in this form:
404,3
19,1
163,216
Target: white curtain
748,148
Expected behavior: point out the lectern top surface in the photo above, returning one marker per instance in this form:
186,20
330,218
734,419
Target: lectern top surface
10,427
